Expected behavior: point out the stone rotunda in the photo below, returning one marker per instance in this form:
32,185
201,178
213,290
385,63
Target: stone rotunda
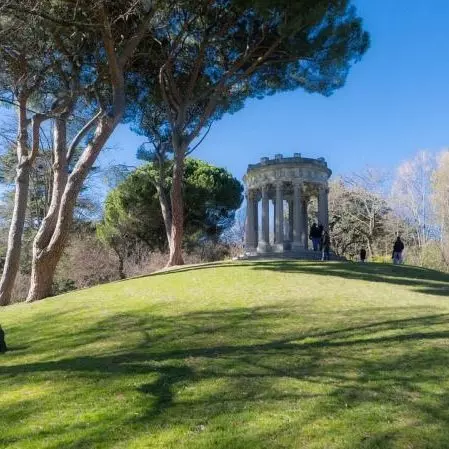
289,183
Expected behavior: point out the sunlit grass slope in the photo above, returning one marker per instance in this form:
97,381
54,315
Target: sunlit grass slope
250,355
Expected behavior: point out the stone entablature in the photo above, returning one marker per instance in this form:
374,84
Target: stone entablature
294,180
291,169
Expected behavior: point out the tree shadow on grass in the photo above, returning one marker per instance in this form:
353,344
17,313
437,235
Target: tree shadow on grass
206,370
420,279
423,280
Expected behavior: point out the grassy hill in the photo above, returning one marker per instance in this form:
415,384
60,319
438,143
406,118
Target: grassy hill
251,355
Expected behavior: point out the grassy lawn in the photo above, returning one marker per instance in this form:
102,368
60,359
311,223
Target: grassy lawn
250,355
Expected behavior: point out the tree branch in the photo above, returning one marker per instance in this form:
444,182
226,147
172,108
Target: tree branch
81,134
37,120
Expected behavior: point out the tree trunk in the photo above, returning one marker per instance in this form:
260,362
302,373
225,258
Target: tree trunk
12,260
177,207
42,274
370,249
50,241
121,269
166,212
44,263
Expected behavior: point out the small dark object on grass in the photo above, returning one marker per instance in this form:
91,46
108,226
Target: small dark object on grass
3,347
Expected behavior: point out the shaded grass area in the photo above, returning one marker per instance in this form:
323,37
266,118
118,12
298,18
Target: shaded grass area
272,354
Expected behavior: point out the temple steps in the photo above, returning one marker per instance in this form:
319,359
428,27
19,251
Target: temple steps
292,255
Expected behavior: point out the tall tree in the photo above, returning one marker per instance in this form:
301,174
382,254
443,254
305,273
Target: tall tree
411,196
440,200
132,212
23,69
96,39
215,54
357,216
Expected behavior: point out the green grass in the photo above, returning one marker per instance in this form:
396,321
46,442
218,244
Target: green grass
251,355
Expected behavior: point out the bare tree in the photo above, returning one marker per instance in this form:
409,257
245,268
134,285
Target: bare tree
411,196
367,189
357,214
440,201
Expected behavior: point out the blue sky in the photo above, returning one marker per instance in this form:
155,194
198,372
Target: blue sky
395,102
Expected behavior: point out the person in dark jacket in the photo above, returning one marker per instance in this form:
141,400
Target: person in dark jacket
325,246
320,234
3,347
315,236
363,255
398,247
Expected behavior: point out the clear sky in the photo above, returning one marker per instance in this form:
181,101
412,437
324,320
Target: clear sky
395,102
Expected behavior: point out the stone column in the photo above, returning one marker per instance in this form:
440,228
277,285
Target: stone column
305,224
279,247
256,219
250,239
290,221
323,207
264,242
326,209
298,226
274,220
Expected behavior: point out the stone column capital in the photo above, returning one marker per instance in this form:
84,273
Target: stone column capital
251,194
278,184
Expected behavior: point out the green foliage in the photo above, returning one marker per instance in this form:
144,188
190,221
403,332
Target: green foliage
212,195
213,56
133,213
63,286
279,355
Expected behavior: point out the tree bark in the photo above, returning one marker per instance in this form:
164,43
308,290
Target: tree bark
370,248
177,209
166,212
121,268
44,264
50,241
12,261
52,237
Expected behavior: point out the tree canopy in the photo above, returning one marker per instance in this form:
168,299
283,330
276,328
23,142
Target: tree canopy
132,212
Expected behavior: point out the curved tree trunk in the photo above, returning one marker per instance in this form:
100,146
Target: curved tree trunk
177,209
51,239
42,274
44,263
12,260
24,163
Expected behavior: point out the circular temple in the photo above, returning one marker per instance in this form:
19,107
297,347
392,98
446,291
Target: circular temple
290,181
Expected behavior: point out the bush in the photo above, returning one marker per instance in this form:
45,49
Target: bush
63,286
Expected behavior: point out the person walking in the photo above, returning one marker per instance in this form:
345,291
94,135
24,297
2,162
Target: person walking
315,236
363,255
325,245
3,347
398,247
320,235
